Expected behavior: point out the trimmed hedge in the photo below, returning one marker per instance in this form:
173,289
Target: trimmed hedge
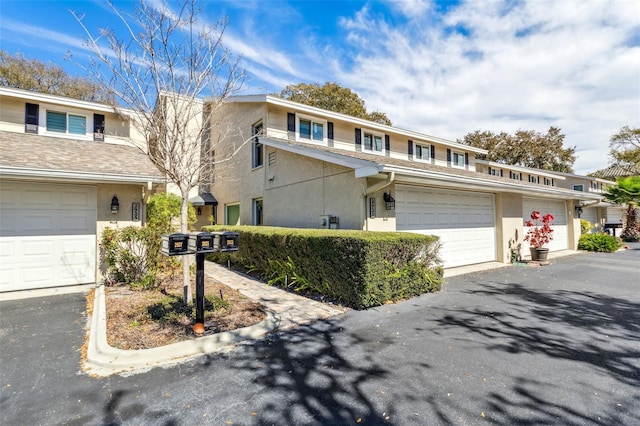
361,269
599,242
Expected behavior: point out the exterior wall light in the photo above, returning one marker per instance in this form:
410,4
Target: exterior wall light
115,205
578,211
199,211
390,202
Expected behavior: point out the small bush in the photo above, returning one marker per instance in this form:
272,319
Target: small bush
358,268
599,242
585,226
132,256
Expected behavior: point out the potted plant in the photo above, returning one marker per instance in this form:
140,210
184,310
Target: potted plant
539,234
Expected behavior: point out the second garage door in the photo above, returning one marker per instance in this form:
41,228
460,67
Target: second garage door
559,225
47,235
464,221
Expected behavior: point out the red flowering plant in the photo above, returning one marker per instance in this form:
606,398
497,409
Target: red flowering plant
540,232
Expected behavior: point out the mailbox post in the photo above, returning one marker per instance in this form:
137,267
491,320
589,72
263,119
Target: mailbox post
199,244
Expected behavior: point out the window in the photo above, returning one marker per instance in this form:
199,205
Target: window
258,148
311,129
548,182
232,214
578,188
423,152
515,176
372,142
534,179
257,211
495,172
31,118
458,159
61,122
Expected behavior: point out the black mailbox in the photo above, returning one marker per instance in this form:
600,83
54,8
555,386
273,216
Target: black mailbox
175,244
201,243
225,241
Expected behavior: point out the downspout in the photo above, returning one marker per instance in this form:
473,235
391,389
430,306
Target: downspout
391,176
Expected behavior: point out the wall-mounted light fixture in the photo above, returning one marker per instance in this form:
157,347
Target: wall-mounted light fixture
199,211
389,201
578,211
115,205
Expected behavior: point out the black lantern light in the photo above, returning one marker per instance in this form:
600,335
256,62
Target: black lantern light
578,210
115,205
199,211
390,202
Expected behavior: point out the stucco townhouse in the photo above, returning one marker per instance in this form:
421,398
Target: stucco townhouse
68,169
310,168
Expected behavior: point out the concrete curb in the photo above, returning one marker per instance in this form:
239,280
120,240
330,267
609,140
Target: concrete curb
105,360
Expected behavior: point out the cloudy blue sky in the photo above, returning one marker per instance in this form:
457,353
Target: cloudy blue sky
444,68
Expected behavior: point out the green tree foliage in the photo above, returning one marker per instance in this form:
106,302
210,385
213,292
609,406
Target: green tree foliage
525,148
627,191
624,147
31,74
163,213
333,97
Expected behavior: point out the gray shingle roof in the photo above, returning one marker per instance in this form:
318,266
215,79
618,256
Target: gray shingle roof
617,171
37,152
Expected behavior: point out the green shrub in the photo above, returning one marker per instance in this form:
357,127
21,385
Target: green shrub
599,242
585,226
359,268
163,213
132,255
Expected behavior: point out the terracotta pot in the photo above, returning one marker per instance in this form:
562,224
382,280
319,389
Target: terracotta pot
539,254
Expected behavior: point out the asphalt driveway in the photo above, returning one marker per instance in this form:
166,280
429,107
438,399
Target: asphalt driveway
519,345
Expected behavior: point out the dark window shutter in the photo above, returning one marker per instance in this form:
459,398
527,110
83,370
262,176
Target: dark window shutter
358,136
31,118
98,127
489,170
448,156
433,152
466,158
329,130
387,143
291,122
410,147
500,172
520,176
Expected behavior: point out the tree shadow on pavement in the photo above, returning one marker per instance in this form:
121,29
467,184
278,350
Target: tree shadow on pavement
317,383
560,324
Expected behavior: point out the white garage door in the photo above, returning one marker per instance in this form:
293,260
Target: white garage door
47,235
559,225
464,221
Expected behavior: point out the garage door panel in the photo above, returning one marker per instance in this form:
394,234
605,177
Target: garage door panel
47,235
559,225
464,222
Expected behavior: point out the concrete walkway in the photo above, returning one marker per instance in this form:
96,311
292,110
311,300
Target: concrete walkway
284,310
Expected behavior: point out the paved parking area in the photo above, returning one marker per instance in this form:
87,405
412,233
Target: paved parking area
518,345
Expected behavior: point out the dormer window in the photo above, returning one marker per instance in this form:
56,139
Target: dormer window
423,152
61,122
311,129
458,159
372,141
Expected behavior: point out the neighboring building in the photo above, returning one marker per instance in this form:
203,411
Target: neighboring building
64,164
613,172
311,168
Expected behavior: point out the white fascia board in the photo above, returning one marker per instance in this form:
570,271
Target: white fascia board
486,184
61,100
274,100
530,170
20,172
363,168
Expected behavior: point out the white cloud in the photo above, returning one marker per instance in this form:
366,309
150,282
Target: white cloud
504,66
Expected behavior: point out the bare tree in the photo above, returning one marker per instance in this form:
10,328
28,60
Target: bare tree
161,68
